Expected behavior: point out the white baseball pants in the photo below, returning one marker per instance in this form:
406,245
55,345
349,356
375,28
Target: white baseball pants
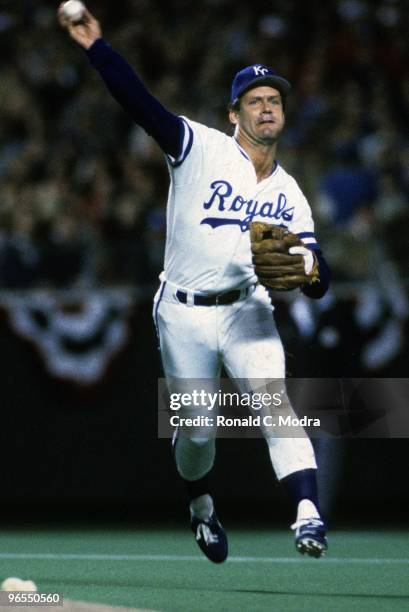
196,341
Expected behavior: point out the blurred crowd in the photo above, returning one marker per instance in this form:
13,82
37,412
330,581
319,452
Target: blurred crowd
83,190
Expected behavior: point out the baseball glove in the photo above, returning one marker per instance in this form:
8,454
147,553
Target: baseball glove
281,261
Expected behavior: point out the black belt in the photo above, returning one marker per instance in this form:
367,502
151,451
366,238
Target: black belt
221,299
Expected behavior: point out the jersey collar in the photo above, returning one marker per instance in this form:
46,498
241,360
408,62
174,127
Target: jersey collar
242,151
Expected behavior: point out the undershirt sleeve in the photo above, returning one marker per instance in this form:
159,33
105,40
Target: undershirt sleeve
128,90
318,289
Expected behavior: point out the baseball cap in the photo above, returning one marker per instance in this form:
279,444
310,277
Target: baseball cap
255,76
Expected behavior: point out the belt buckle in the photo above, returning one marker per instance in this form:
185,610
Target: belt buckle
190,298
217,299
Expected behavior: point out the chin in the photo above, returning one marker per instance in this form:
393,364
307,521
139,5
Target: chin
269,135
268,139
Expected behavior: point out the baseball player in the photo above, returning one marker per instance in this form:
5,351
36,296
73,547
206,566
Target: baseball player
213,308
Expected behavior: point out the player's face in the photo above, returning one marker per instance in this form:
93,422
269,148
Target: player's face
260,117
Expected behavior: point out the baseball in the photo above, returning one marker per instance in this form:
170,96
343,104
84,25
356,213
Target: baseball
73,10
16,584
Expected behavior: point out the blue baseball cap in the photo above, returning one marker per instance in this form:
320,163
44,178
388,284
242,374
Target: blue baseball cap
256,76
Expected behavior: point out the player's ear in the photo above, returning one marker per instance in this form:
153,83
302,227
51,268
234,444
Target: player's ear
233,116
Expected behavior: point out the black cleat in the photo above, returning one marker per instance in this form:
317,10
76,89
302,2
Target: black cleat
210,537
310,537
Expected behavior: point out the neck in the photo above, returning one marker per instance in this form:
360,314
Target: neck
262,155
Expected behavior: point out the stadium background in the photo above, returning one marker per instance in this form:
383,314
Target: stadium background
82,225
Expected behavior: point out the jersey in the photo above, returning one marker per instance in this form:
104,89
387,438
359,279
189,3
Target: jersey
213,197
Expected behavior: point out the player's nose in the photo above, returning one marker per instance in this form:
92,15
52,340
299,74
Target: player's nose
266,107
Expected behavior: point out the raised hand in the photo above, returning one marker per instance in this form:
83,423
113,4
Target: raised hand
84,32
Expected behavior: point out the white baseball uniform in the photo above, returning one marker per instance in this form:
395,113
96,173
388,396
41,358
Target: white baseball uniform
213,197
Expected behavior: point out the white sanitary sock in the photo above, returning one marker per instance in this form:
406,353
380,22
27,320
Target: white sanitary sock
202,506
306,509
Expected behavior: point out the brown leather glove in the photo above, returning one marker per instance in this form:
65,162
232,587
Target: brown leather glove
275,267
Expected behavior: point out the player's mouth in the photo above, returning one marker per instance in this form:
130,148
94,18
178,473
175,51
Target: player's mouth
266,121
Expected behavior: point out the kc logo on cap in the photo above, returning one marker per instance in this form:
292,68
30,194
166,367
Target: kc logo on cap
260,70
254,76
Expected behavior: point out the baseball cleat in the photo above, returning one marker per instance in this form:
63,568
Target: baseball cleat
310,537
210,537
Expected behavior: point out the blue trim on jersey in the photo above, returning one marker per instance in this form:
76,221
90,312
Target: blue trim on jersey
155,314
186,152
217,222
306,235
242,151
275,168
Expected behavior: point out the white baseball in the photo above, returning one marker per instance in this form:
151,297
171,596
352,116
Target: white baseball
16,584
73,10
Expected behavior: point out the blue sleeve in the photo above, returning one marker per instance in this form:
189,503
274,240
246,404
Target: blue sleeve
126,87
318,290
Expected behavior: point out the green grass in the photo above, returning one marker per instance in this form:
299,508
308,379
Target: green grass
363,571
